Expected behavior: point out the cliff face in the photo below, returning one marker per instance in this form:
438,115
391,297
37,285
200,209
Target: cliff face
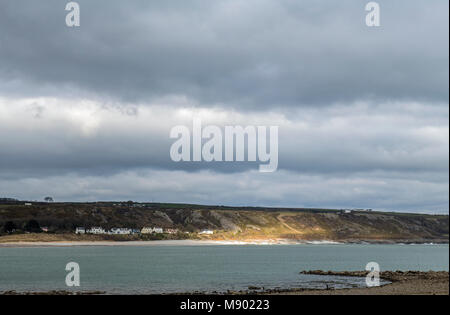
237,224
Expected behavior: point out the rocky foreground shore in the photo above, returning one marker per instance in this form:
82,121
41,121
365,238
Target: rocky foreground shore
54,292
402,283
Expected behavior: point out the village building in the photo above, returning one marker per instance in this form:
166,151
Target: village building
121,231
148,230
171,231
207,232
96,230
80,230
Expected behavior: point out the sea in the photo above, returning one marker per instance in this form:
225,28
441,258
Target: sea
169,269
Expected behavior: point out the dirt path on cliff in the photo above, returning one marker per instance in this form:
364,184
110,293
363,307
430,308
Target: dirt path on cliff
283,222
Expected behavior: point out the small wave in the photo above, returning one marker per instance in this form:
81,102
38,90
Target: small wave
323,243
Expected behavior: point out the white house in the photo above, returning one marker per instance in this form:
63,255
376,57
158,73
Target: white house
158,230
80,230
96,230
121,231
207,232
148,230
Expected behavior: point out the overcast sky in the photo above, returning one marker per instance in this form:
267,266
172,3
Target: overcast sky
363,113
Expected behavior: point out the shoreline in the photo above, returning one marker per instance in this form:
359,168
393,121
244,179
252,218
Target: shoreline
400,283
107,243
203,242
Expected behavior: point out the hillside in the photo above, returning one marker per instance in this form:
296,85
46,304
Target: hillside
235,223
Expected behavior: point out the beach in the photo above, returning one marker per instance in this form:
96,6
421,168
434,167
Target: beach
149,243
68,239
108,243
402,283
65,240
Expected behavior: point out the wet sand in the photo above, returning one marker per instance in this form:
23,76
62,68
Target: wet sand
145,243
403,283
203,242
109,243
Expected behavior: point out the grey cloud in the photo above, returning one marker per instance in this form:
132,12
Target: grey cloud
364,190
85,113
98,139
242,54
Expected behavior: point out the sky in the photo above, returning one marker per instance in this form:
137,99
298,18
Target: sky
363,112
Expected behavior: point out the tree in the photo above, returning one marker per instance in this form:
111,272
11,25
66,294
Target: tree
32,226
9,227
48,199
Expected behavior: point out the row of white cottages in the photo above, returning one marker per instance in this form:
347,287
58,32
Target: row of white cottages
124,231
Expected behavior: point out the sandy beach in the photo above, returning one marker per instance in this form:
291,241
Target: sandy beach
149,243
402,283
110,243
65,240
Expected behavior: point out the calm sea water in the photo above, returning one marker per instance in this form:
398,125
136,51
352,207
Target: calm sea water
169,269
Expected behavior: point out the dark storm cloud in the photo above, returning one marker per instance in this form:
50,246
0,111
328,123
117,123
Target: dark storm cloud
93,138
241,54
85,113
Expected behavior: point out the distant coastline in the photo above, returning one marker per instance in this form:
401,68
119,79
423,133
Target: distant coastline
36,242
144,222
